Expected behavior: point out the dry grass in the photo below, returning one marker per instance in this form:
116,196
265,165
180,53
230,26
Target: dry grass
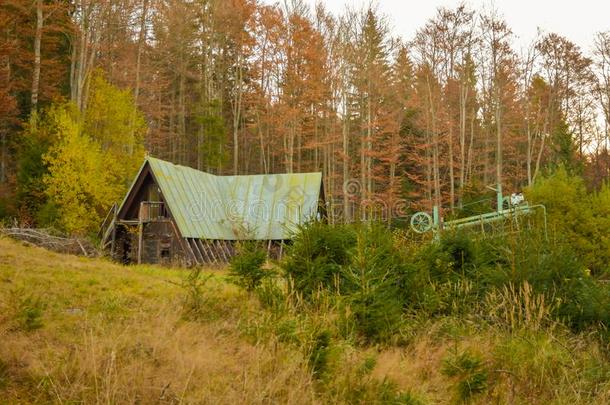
74,330
113,334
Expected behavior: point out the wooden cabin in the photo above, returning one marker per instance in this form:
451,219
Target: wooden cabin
176,214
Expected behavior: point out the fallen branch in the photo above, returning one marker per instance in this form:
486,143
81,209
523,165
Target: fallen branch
47,239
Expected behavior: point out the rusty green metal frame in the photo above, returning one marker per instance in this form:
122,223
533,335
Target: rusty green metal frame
499,215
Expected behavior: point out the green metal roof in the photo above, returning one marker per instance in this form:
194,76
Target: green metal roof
260,207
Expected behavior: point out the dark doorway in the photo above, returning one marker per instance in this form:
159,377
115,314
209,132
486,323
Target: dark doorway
126,256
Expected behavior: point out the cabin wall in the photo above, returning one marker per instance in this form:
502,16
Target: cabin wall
160,245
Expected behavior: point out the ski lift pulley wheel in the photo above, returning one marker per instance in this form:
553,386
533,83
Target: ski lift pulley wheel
421,222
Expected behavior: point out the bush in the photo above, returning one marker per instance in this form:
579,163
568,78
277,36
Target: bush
577,218
361,264
31,169
452,257
319,352
371,284
246,267
374,277
314,259
5,208
600,205
459,271
271,296
469,373
552,269
585,303
48,214
196,302
447,275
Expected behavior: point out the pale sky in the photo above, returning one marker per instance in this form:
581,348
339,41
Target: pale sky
578,20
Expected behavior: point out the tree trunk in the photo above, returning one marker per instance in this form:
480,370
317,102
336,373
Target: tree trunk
463,101
237,114
435,143
364,120
36,72
498,139
136,91
470,147
345,133
451,171
528,156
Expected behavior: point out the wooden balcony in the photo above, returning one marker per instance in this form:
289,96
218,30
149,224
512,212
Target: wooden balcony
152,211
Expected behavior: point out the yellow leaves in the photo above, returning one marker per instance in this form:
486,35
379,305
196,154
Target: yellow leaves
77,180
113,120
93,159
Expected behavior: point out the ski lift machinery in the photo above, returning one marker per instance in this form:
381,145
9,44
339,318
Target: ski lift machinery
508,207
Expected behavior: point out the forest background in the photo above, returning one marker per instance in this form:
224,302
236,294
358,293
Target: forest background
244,86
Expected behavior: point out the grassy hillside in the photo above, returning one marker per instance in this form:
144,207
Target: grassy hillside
81,330
111,334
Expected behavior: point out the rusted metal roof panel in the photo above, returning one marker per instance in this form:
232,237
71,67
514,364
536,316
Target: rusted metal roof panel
259,207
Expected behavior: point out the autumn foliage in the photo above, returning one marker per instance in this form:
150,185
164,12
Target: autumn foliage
245,86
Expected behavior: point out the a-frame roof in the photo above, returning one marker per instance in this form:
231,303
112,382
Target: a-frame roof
259,207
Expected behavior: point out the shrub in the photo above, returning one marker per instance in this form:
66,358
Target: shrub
314,259
528,256
371,284
374,279
469,373
447,275
48,214
375,315
600,205
196,302
459,249
356,385
319,352
584,302
271,296
5,208
554,270
574,216
246,267
361,264
451,257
